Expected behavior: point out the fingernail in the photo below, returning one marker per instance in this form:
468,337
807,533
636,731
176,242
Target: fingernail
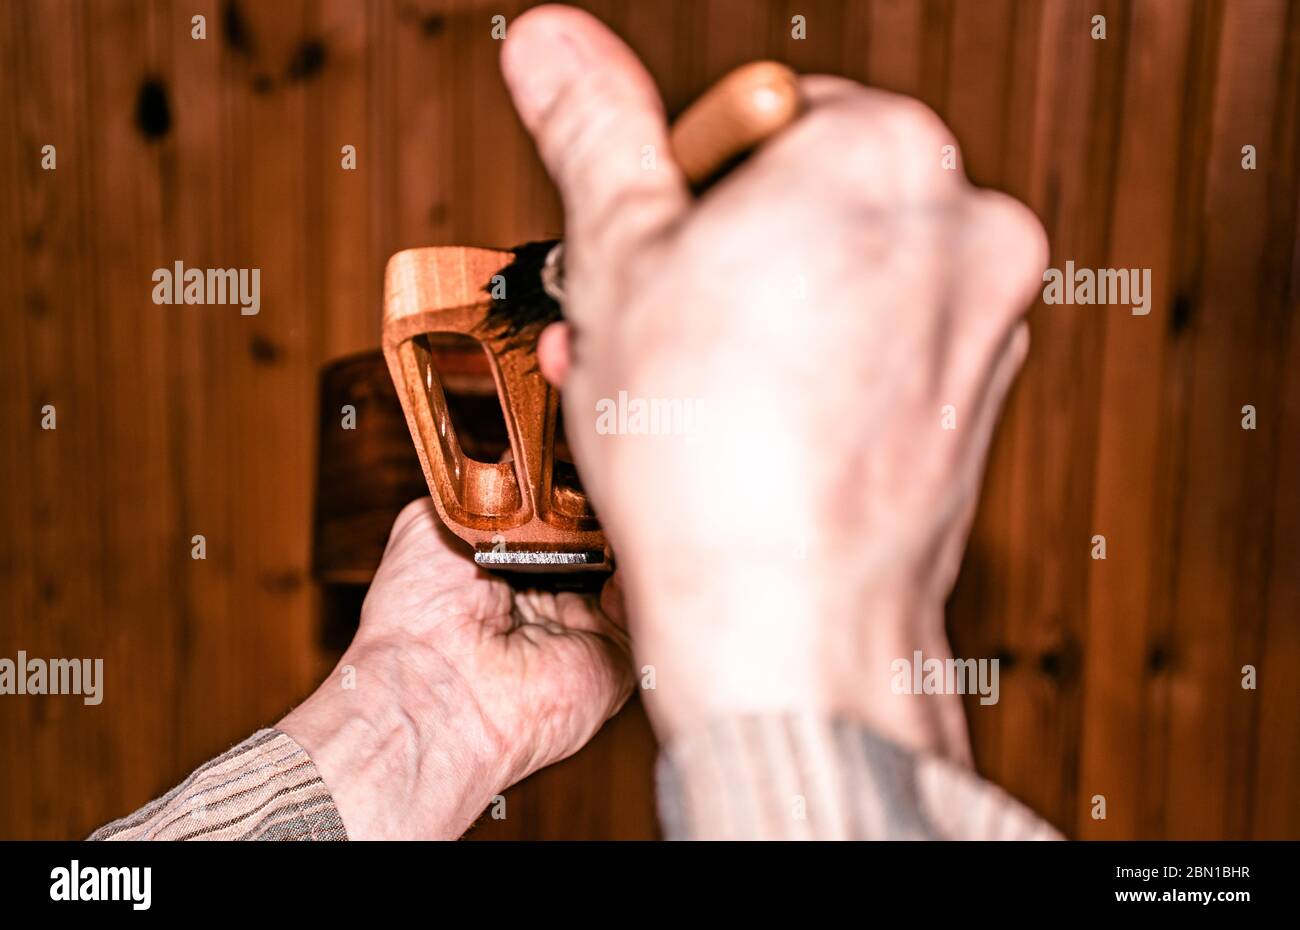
539,59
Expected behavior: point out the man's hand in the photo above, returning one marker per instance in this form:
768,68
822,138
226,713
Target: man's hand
455,687
845,312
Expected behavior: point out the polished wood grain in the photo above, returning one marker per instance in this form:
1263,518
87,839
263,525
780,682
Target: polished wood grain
1120,678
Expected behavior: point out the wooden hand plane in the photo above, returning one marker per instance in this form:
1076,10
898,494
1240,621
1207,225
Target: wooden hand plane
526,511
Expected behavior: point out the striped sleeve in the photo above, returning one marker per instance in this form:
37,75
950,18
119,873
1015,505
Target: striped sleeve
805,777
266,788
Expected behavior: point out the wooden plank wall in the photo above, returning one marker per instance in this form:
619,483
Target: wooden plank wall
1120,678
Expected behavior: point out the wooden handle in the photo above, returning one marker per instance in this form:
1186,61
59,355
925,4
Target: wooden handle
749,105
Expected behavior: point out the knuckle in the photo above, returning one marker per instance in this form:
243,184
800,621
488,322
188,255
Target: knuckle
1021,240
916,126
1009,218
922,145
600,135
576,126
1020,342
410,515
898,141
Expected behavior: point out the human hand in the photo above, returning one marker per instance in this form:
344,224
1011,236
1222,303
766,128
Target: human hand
846,313
455,687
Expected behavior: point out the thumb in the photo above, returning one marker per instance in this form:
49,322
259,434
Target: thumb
592,109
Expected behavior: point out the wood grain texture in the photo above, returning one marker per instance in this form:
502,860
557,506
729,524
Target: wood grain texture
1120,678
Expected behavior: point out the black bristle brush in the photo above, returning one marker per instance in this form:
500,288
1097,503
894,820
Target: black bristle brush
519,316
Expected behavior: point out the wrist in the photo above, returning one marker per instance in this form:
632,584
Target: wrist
402,755
773,644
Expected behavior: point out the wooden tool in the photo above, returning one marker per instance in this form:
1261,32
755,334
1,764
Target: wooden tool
748,105
528,512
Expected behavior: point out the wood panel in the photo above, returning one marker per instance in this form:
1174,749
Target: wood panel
1120,595
1120,678
1217,596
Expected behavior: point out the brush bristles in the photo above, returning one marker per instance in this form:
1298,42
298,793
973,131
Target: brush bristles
526,309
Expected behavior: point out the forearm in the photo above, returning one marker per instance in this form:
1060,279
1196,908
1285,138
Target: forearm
802,776
378,751
266,788
402,758
745,638
766,740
